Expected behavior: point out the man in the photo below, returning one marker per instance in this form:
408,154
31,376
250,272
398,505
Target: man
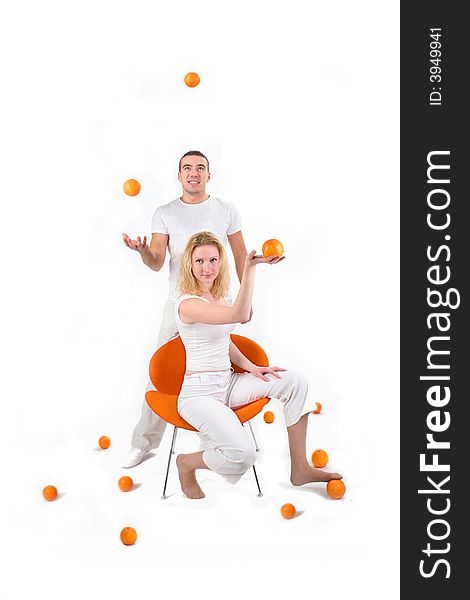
172,225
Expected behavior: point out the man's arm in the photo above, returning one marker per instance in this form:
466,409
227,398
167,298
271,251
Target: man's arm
154,255
237,244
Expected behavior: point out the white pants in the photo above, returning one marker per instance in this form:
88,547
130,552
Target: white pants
148,432
206,401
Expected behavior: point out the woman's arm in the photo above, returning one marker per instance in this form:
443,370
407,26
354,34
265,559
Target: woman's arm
239,359
194,310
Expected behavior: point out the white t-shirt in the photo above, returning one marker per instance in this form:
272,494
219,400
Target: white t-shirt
206,345
180,221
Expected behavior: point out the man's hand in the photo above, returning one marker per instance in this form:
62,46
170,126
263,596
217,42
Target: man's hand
139,245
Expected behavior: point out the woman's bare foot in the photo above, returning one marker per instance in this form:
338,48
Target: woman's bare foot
308,474
187,475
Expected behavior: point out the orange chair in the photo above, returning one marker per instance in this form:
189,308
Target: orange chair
167,368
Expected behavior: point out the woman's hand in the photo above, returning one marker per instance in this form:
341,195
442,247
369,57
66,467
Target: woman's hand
261,372
252,259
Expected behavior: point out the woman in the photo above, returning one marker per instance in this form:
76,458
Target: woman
210,387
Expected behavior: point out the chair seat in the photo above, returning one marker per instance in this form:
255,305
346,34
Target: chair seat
168,364
165,406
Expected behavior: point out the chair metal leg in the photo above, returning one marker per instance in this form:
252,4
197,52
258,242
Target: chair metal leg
254,439
260,495
172,449
254,469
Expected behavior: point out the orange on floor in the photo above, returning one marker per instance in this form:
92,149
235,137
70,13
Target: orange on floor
104,442
288,511
320,458
125,483
335,489
268,417
273,248
49,492
192,79
128,536
318,410
131,187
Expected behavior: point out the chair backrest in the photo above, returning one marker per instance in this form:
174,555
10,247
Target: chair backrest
168,364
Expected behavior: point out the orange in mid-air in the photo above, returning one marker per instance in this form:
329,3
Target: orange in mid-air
125,483
335,489
192,79
128,536
273,248
131,187
268,417
320,458
318,409
104,442
49,493
288,511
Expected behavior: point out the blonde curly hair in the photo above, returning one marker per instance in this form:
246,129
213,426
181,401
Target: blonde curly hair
187,283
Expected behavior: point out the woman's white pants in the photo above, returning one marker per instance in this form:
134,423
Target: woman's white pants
206,401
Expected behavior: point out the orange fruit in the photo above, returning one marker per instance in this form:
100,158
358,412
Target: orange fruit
288,511
335,488
268,417
131,187
104,442
319,458
49,493
128,536
273,248
192,79
318,409
125,483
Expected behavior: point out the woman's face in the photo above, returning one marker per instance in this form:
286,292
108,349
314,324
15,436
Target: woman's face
205,263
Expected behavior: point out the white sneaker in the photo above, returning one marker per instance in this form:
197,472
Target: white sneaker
133,458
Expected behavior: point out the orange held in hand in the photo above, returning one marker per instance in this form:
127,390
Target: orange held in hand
288,511
49,493
335,489
128,536
104,442
192,79
125,483
318,409
319,458
131,187
273,248
268,417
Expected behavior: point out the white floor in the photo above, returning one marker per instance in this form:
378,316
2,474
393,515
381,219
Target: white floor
230,543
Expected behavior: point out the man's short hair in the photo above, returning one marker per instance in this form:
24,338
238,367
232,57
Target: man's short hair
193,153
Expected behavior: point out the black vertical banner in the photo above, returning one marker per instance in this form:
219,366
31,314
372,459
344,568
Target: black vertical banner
435,257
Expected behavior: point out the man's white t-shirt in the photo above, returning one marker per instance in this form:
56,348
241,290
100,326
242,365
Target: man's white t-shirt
180,221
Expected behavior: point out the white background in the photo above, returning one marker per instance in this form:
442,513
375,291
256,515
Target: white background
297,111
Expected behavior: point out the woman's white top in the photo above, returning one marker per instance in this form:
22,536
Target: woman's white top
207,346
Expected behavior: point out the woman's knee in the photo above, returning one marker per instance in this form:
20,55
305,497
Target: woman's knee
241,458
296,381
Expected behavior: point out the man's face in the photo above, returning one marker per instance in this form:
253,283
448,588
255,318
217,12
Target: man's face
193,174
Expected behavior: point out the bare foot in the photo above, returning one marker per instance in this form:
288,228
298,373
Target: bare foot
189,484
309,474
